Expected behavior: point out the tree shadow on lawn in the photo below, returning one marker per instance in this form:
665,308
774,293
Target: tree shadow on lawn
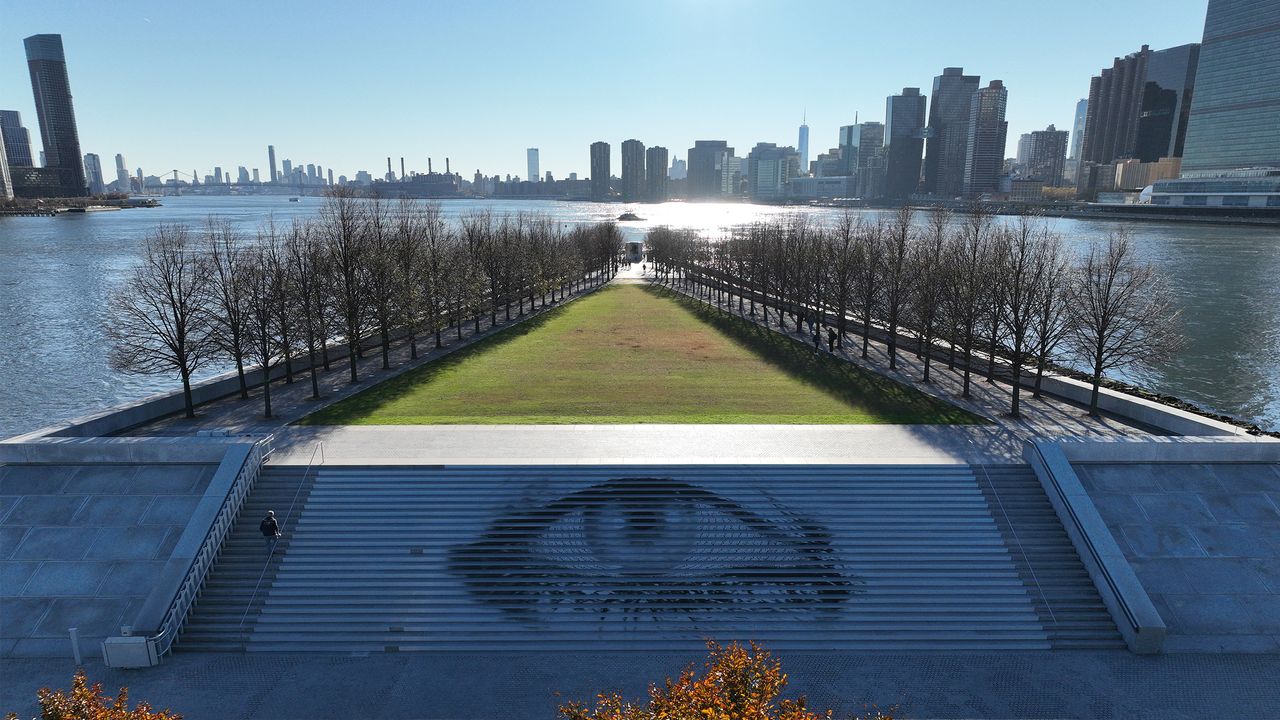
857,387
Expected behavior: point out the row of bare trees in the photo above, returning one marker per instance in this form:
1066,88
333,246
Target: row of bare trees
1000,299
363,273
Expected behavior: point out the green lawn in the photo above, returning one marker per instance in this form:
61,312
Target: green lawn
635,354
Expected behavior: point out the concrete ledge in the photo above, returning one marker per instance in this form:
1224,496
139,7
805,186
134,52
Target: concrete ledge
1147,412
1121,591
1238,449
151,615
87,451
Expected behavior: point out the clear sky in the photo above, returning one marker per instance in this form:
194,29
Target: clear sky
345,84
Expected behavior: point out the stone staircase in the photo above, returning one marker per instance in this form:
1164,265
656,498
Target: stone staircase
583,558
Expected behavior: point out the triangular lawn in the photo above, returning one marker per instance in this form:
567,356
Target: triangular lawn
637,354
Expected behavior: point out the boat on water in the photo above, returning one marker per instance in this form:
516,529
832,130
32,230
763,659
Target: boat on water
293,199
629,217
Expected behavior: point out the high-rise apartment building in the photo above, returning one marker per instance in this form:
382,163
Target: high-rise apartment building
679,170
600,170
1139,107
769,171
531,158
655,178
984,154
271,163
633,170
1235,115
1024,150
93,174
707,165
52,90
947,144
803,146
122,174
1046,156
17,140
904,123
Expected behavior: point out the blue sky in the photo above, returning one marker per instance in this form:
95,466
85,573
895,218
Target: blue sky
197,84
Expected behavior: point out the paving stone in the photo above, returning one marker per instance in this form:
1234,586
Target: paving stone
1263,611
20,616
127,543
33,479
1176,643
165,548
1242,507
171,510
45,510
14,575
112,510
55,544
67,579
1174,508
1220,576
93,616
1118,478
1117,508
1209,615
1268,570
130,578
202,482
1233,540
1155,541
1246,477
1187,477
1161,575
102,479
10,538
6,503
167,479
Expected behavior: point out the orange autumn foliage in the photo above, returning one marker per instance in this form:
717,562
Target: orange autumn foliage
737,683
88,703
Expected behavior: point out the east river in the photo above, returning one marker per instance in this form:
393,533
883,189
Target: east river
56,275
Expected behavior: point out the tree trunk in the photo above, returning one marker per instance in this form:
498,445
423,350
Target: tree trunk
315,381
186,395
266,391
353,349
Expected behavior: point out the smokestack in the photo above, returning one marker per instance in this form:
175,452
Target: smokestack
389,170
446,167
429,170
401,167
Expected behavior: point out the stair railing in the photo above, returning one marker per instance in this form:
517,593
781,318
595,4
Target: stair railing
1031,568
266,565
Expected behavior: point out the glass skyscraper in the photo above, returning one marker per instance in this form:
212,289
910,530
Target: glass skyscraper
948,132
984,155
904,118
1235,114
599,170
57,117
17,141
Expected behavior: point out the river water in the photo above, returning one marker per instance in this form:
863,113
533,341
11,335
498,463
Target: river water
57,273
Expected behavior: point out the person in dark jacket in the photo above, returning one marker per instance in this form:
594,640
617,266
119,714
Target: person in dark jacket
270,531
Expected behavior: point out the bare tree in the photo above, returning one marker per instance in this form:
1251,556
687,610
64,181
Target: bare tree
223,251
925,308
868,259
342,222
969,260
1021,272
305,258
897,280
1052,321
160,317
1123,314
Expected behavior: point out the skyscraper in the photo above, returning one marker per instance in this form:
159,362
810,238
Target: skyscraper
984,155
17,141
1077,128
633,170
679,170
1139,107
1023,155
6,181
655,178
904,119
1235,113
93,174
1046,156
769,171
707,160
804,148
286,171
52,90
599,170
532,158
947,144
271,163
122,174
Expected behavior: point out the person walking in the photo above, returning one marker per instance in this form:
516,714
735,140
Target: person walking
270,531
831,340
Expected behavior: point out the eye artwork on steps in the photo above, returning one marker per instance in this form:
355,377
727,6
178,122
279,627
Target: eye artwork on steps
643,549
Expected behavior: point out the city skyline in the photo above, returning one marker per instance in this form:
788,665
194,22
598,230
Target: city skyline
235,103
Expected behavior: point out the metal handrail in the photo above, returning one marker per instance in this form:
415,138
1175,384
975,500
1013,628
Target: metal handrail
266,565
176,615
